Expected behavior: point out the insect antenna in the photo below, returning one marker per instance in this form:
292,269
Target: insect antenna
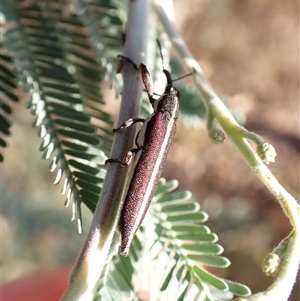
163,63
186,75
166,72
160,52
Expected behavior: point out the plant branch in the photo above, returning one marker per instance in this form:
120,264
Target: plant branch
216,107
92,259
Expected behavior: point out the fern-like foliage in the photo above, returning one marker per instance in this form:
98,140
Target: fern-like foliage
61,68
9,95
180,248
117,281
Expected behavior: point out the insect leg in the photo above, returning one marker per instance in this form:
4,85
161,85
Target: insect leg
122,60
128,158
146,76
128,123
148,83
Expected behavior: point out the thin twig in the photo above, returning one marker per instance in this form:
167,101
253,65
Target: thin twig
92,259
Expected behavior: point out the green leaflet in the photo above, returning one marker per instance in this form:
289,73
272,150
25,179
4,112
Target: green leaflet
8,93
211,279
183,248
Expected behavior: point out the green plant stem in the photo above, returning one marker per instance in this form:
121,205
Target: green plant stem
233,130
92,259
282,286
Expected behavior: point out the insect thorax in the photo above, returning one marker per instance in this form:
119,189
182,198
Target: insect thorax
169,102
